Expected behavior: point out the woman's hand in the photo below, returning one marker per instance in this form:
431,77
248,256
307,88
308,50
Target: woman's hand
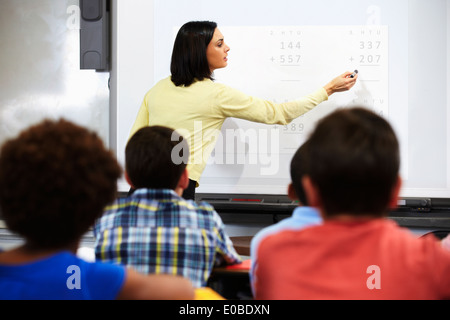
341,83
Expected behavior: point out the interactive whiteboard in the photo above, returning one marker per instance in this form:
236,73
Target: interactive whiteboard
286,49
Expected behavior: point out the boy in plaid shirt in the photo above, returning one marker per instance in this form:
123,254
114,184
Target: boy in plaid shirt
155,230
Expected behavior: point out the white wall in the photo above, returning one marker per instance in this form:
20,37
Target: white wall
40,69
132,61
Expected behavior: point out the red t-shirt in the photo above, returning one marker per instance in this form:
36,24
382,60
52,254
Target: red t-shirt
374,259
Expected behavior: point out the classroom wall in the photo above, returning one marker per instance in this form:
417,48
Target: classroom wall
40,69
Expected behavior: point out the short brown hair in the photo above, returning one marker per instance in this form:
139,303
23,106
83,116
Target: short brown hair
156,157
354,161
55,180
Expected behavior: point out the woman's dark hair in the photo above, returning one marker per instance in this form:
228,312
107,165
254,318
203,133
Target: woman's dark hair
189,61
156,157
55,180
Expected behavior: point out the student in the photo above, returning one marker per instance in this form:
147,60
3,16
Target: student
191,101
55,179
155,230
356,253
303,216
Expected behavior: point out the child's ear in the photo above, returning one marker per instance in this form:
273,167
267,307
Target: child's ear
291,192
183,183
128,179
393,203
311,191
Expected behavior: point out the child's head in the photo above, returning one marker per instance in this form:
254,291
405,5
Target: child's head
354,161
298,170
156,158
55,180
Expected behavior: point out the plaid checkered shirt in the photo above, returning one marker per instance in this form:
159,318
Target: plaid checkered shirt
156,231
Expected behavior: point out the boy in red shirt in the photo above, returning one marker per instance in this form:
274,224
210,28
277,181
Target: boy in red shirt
353,178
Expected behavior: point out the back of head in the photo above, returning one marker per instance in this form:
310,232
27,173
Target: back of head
298,170
189,61
354,162
55,180
156,157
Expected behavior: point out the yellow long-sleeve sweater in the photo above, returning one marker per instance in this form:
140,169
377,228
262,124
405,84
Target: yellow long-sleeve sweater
200,110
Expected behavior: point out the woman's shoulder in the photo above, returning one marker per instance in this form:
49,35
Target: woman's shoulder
196,85
164,82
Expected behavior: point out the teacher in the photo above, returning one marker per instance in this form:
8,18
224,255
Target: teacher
190,101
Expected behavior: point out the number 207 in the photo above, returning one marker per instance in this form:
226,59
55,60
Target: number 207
369,58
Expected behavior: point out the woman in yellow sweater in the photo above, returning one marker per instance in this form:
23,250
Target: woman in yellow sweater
190,102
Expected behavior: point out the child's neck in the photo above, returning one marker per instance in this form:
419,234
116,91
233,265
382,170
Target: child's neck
351,218
27,253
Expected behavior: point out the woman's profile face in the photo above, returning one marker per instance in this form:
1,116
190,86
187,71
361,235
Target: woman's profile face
217,52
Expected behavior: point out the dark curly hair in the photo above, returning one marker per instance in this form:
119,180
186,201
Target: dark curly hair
55,180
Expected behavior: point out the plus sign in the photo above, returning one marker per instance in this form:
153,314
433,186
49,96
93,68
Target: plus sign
351,59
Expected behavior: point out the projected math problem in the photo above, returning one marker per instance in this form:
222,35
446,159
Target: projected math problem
286,50
284,63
